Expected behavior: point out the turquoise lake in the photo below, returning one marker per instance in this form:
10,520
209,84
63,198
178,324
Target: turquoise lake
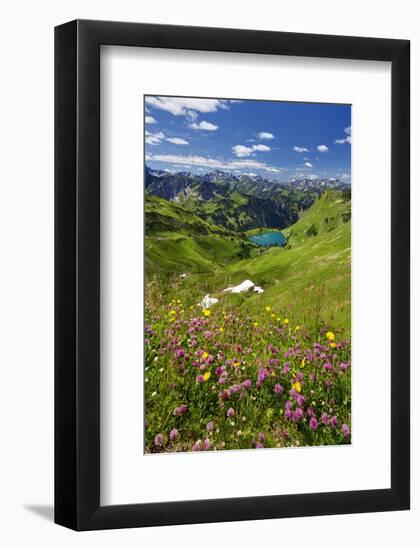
271,238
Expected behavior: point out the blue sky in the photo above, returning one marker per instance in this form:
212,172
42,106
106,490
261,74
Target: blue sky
278,140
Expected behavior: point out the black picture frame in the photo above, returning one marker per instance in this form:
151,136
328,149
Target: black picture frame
77,274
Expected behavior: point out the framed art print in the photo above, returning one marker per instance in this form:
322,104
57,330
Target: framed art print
232,275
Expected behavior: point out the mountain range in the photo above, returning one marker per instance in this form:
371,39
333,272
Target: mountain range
238,202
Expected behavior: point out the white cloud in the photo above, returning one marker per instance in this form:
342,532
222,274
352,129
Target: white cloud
244,151
180,106
345,176
177,141
300,149
149,120
204,125
265,135
154,138
344,140
322,148
196,160
308,164
261,147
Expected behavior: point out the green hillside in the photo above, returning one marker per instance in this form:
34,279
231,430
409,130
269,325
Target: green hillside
178,241
308,280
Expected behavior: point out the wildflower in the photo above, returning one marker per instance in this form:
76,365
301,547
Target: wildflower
297,386
180,352
330,336
159,440
268,309
324,418
333,344
261,436
259,446
346,430
255,324
297,327
210,426
179,411
297,415
172,312
206,376
334,421
230,412
313,423
173,434
199,378
206,444
303,362
286,321
197,446
272,315
300,399
278,389
221,329
206,312
204,355
246,384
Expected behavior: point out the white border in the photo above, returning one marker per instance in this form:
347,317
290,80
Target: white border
129,476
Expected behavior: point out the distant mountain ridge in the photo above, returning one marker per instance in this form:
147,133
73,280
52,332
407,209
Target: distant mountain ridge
238,202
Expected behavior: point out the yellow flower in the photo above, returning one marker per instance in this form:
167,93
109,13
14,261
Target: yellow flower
333,344
297,386
303,362
178,301
278,319
172,312
330,336
206,376
221,329
272,315
236,364
204,355
255,324
286,321
206,312
297,327
268,309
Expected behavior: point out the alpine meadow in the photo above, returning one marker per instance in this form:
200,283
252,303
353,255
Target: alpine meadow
247,274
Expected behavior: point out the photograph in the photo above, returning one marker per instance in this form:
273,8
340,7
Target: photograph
247,207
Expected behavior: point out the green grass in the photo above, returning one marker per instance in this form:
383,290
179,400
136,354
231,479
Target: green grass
307,293
309,278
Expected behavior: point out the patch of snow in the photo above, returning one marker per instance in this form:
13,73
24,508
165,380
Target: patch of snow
208,301
245,286
242,287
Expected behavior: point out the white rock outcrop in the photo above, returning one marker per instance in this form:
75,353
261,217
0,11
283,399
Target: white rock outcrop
208,301
245,286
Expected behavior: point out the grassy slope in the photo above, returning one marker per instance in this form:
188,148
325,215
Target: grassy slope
177,240
308,282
